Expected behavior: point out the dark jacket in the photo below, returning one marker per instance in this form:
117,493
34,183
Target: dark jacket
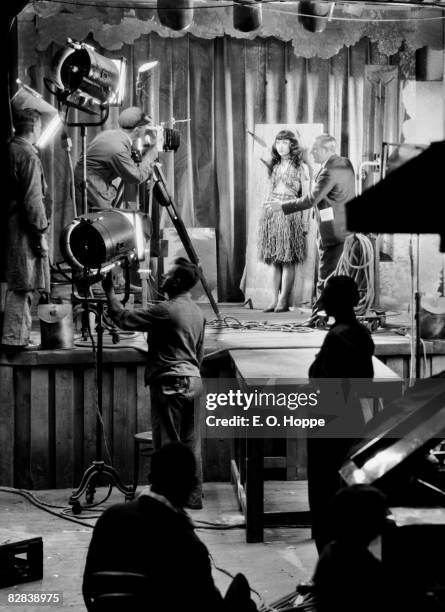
148,537
334,186
346,352
175,330
24,219
349,578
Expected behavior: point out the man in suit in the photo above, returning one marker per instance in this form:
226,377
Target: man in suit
334,185
109,156
153,536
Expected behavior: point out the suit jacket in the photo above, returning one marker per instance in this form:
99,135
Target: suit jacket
334,186
23,219
148,537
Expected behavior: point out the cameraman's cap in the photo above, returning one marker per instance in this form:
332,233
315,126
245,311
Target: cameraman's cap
133,117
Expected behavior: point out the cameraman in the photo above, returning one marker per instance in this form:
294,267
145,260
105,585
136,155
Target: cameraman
109,156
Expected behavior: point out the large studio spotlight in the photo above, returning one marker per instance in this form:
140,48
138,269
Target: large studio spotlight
87,80
176,14
314,16
26,97
247,15
97,242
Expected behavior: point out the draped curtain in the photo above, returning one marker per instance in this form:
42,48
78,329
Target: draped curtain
225,86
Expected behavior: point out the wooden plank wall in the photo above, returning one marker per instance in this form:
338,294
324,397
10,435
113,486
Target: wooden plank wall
48,420
48,417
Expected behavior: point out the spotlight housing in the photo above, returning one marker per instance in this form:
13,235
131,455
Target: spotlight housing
87,80
176,14
98,241
314,16
247,15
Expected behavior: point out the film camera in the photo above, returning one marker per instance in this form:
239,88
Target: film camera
164,138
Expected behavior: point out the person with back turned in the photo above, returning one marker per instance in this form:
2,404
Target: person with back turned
176,345
154,537
346,353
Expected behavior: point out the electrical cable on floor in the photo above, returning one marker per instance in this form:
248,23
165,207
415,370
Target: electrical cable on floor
221,527
219,524
43,507
264,606
46,507
35,501
40,502
234,323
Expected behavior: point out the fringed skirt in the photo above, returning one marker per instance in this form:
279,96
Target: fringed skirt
281,238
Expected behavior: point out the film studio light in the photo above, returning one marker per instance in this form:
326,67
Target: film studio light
176,14
314,16
26,97
247,15
97,242
87,80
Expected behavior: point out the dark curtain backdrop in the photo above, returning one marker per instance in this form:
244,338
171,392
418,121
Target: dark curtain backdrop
226,86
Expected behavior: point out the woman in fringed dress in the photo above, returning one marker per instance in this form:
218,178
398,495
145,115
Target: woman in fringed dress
282,238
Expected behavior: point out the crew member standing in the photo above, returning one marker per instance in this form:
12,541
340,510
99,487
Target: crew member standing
346,354
24,225
109,156
175,344
334,185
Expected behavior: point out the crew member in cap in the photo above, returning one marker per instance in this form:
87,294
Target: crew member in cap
109,156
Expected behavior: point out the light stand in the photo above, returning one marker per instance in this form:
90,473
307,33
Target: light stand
98,466
415,267
164,198
370,212
105,109
417,299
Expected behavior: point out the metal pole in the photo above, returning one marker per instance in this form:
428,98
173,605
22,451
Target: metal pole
83,133
99,377
417,297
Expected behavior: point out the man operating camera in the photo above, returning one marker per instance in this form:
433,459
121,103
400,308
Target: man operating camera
109,156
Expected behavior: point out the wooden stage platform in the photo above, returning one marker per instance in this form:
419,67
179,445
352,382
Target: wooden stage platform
47,398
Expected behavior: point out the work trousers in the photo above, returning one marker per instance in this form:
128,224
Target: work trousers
175,417
17,320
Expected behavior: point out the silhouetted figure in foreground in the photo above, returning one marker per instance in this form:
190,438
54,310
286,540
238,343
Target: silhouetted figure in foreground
348,576
152,535
346,354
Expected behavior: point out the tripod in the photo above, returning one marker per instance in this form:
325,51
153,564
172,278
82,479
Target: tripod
163,197
98,467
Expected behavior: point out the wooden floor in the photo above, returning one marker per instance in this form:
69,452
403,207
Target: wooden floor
273,568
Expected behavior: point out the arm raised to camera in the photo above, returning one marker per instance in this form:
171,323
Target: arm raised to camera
131,172
133,320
